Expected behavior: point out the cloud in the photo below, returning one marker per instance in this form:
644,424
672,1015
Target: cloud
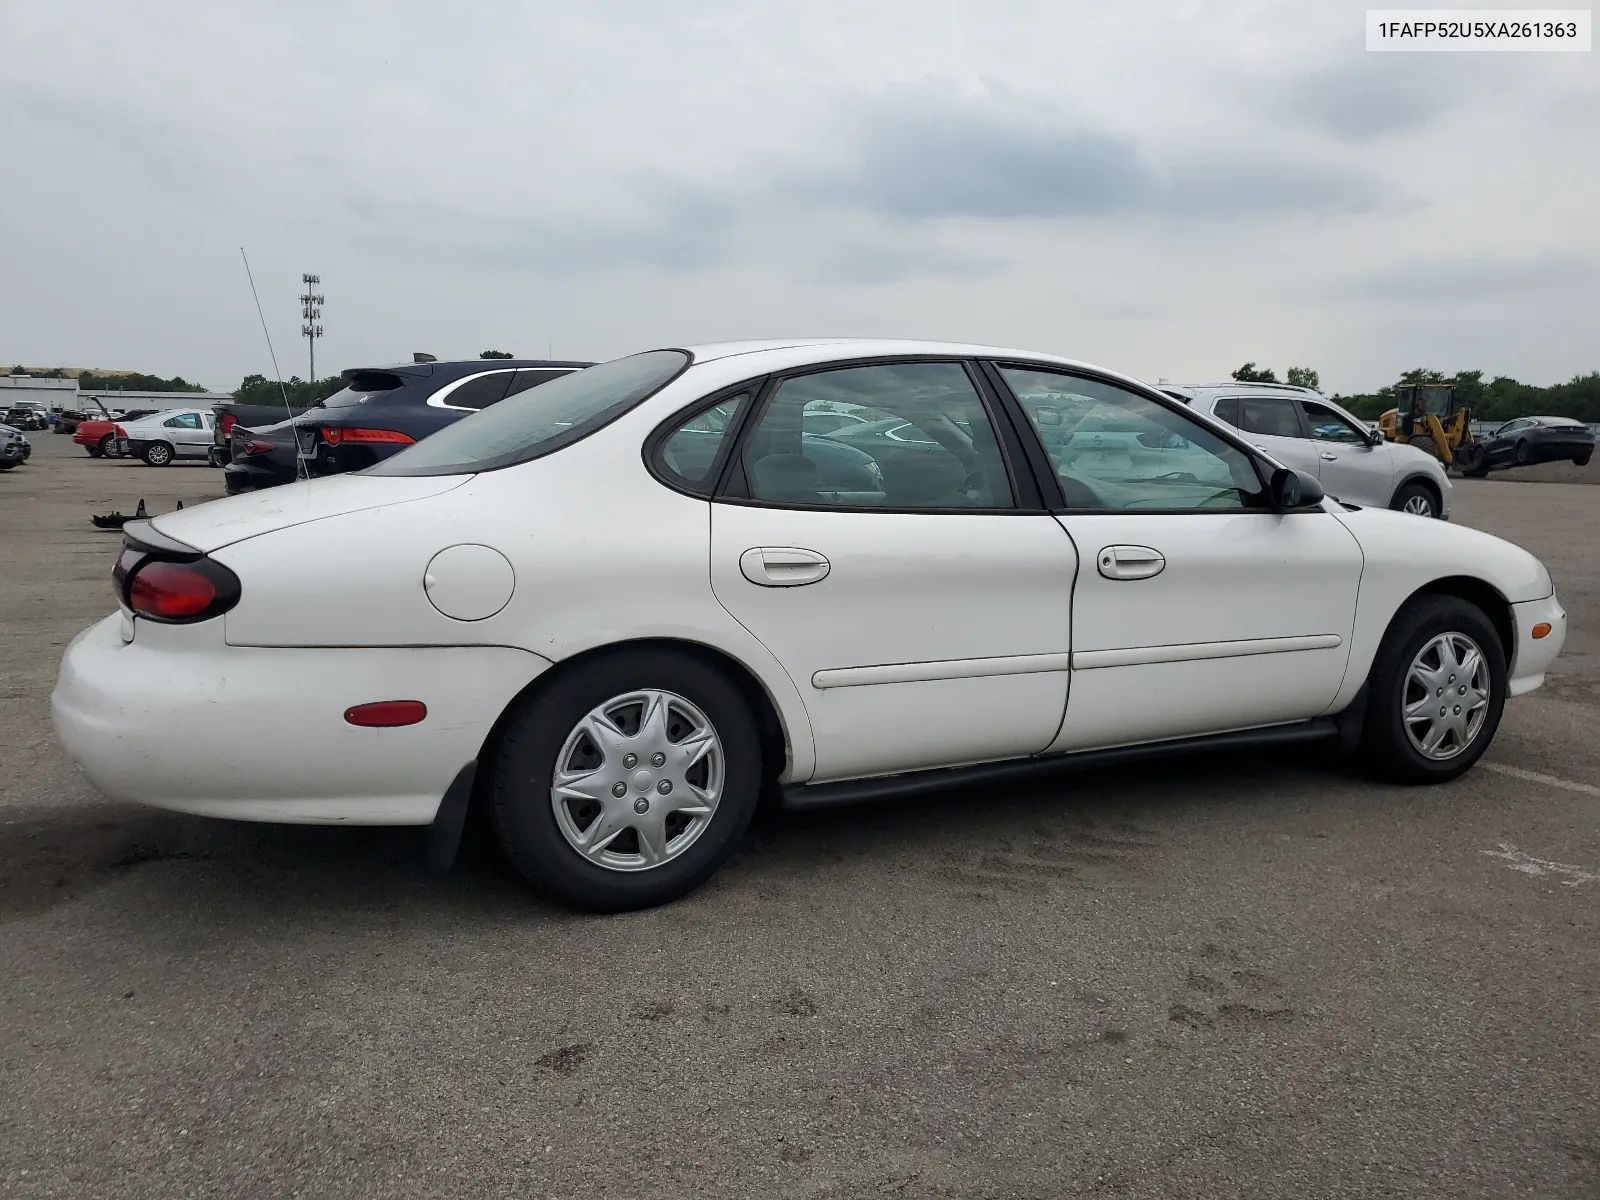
1472,280
1363,96
928,152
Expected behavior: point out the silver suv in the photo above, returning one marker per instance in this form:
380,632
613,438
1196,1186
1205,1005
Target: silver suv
1303,429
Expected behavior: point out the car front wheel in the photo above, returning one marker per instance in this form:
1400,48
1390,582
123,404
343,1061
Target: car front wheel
1435,693
158,454
1416,499
627,782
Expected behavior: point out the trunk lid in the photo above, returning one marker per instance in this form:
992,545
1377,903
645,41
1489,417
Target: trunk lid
219,523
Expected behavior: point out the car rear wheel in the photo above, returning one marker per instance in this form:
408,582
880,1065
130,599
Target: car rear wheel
158,454
106,445
1435,692
1524,454
1581,459
1416,499
627,782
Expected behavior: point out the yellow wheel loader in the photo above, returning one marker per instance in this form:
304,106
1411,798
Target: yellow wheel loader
1427,416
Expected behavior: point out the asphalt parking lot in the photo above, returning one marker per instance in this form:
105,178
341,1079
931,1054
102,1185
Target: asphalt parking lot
1250,977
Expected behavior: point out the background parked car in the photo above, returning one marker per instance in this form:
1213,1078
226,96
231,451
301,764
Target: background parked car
1529,440
28,414
98,433
14,448
381,411
173,433
1305,430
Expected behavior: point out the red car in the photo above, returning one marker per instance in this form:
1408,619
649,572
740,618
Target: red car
99,437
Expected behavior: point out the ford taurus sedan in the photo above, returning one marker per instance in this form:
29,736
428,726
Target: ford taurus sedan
621,607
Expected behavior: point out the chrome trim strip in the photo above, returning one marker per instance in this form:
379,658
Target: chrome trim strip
437,399
951,668
1139,656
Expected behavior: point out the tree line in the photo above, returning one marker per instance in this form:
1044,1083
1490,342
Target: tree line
88,381
1498,399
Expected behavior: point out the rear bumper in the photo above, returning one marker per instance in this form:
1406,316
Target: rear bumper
1532,656
177,719
242,476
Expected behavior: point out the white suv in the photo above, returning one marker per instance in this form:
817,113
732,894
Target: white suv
1303,429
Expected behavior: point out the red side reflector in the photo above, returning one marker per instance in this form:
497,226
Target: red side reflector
1542,629
334,434
384,714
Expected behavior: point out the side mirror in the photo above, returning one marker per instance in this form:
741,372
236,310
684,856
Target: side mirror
1291,489
1374,437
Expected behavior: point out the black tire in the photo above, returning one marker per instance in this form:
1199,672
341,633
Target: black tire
522,765
105,447
157,454
1582,459
1386,749
1415,493
1524,455
96,451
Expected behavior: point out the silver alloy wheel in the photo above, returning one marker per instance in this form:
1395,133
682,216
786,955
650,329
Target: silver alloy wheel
1419,505
158,455
637,780
1446,696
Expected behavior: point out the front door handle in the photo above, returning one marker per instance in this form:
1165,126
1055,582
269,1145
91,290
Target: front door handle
1131,562
1326,457
783,566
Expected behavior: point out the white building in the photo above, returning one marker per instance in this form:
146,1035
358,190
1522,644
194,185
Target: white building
54,394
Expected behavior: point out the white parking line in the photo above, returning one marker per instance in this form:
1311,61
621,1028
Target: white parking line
1529,865
1587,789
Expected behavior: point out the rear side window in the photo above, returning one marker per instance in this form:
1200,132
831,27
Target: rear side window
1270,416
474,392
526,379
540,420
690,451
1227,411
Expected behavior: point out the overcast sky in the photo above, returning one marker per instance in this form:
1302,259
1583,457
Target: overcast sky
1168,188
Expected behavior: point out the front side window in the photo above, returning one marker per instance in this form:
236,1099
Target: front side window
183,421
1330,426
540,420
933,447
1115,449
690,451
1270,416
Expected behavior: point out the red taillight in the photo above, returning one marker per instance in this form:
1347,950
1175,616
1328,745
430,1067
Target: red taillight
228,422
385,714
176,592
334,434
256,446
119,431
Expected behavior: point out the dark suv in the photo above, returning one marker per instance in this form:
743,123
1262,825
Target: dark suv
380,411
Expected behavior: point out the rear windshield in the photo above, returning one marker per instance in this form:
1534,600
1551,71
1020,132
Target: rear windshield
539,420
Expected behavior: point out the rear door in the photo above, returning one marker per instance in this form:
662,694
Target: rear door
922,606
1273,424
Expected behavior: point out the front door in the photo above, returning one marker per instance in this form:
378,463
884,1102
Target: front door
1272,423
1350,466
923,615
1196,609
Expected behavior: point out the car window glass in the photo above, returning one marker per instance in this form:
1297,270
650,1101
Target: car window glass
540,420
480,392
1271,416
933,446
526,379
1115,449
1328,425
690,451
1227,410
183,421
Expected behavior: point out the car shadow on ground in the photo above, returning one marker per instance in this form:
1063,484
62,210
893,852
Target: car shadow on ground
1061,826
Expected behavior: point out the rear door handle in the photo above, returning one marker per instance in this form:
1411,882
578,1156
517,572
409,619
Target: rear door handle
783,566
1131,562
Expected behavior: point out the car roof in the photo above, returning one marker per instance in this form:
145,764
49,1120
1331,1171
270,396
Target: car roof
1556,420
1234,385
776,354
463,365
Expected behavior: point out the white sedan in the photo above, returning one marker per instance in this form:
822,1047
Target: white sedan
620,607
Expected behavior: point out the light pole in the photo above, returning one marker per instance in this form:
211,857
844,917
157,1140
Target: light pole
311,313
